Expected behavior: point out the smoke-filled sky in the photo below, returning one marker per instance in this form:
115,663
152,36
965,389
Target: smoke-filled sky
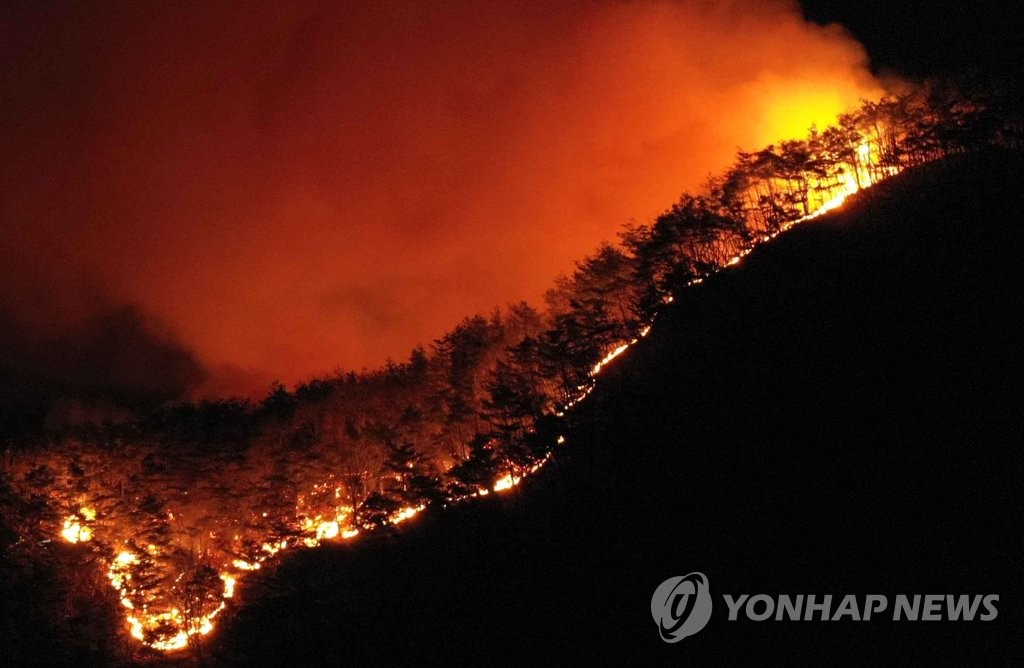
261,190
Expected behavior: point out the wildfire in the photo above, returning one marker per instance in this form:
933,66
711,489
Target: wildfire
404,514
229,585
160,625
273,548
608,358
507,481
75,529
151,623
167,630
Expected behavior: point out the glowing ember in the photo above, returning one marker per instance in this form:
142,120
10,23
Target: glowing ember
403,514
506,482
327,530
608,358
229,585
74,531
273,549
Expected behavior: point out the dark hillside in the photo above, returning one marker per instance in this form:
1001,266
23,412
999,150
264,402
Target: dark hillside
840,414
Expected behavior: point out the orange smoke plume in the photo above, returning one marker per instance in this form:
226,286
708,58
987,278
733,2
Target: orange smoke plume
290,188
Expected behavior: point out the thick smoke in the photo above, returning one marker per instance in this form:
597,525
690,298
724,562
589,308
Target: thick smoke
106,368
292,187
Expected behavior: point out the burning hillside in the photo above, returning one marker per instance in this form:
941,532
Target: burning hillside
179,508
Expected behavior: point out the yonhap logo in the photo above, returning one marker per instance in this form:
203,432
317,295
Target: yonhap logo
681,606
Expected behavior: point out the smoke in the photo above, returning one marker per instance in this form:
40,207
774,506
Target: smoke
111,364
293,187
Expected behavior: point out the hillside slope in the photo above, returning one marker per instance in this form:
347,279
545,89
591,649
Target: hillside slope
839,414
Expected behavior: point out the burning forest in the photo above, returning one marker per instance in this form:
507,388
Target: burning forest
177,510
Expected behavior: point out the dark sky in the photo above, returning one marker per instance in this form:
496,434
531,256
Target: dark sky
921,38
266,189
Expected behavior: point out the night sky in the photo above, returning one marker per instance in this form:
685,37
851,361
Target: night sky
921,38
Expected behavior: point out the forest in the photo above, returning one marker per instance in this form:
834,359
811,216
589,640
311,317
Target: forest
171,510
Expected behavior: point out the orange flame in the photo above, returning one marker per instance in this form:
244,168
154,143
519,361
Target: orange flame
171,629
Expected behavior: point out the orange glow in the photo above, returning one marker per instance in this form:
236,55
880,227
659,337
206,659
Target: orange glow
229,585
348,217
74,532
790,107
167,628
75,528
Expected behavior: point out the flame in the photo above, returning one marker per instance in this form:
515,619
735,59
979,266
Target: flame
506,482
74,531
179,640
327,530
229,585
272,549
608,358
404,514
867,156
168,629
147,626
